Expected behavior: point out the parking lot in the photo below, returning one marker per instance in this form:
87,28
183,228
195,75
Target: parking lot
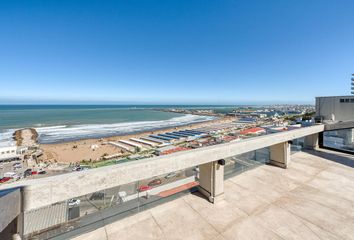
7,167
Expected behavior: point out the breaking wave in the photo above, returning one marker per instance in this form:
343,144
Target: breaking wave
63,133
6,138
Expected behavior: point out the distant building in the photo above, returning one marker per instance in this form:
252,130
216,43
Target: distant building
246,120
9,154
255,130
335,108
352,88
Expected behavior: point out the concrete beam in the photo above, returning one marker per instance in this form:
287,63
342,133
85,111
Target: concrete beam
280,154
339,125
49,190
211,181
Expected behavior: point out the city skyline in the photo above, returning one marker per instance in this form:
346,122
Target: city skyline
184,52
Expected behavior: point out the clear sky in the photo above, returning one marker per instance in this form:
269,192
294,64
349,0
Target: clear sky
181,51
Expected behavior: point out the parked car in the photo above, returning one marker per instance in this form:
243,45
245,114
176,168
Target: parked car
16,177
171,175
97,196
17,165
28,172
42,172
74,202
34,172
122,196
4,179
10,174
155,182
78,168
143,188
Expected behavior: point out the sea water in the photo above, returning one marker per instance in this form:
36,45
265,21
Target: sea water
60,123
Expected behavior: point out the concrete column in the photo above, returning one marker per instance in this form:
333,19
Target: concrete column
211,180
311,141
280,155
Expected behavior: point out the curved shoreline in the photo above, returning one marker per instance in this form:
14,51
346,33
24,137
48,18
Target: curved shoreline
76,151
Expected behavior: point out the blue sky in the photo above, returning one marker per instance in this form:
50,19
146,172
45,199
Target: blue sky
182,51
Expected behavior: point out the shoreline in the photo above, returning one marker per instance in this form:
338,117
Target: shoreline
132,133
78,150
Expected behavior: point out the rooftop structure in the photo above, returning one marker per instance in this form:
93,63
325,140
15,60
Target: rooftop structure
255,130
335,108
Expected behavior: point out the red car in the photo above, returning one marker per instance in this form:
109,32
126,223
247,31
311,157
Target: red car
155,182
34,172
4,179
143,188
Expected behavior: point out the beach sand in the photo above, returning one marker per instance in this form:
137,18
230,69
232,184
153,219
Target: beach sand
76,151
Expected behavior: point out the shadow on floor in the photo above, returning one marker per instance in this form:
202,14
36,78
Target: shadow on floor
338,157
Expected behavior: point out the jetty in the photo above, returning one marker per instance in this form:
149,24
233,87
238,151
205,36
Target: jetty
26,137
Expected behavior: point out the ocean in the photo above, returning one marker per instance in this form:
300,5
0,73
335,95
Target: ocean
61,123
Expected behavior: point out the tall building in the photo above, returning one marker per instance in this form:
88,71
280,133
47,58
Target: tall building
335,108
352,91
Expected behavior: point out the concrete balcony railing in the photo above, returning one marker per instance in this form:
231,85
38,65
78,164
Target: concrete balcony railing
39,193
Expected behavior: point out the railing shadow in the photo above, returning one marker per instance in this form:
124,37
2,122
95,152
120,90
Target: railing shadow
334,156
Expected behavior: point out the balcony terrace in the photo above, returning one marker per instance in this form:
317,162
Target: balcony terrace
312,199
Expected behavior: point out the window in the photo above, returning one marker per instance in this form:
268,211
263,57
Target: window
347,100
341,100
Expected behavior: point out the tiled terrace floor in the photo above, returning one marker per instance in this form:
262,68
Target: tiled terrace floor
313,199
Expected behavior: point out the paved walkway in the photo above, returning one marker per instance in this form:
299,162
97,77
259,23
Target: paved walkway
313,199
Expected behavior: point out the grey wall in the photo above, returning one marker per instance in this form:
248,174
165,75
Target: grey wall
331,106
10,206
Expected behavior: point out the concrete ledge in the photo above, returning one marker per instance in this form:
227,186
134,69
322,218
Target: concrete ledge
10,206
339,125
46,191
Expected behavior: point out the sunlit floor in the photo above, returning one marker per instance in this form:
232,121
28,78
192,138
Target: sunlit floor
312,199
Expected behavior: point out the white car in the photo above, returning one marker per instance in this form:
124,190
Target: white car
74,202
171,175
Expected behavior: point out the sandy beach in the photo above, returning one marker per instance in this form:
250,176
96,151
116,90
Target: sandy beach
76,151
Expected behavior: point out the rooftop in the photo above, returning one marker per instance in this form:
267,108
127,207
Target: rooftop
312,199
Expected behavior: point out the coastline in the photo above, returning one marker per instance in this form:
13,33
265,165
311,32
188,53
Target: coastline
78,150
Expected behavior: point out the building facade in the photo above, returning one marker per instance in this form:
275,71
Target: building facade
335,108
9,154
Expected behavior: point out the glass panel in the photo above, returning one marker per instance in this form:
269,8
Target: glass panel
243,162
340,139
297,145
67,218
